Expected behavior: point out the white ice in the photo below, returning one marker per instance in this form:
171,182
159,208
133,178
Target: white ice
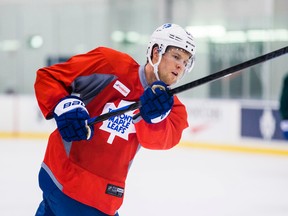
177,182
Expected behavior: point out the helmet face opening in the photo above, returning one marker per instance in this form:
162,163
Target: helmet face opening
187,63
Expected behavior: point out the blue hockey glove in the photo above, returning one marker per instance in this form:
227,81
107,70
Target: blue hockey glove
156,103
284,128
71,119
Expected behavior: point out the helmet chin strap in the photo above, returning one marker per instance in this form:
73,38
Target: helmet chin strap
155,66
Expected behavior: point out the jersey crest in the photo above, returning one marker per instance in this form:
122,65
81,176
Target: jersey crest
121,125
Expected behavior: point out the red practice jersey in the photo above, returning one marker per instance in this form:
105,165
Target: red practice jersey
94,172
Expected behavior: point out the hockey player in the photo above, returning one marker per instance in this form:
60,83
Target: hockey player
85,166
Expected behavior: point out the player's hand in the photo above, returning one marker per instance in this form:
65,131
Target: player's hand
71,119
156,103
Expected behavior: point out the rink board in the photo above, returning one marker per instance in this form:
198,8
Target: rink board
213,124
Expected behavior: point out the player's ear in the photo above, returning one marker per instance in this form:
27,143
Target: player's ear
155,54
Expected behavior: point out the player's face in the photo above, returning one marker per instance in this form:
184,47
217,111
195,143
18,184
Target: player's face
172,65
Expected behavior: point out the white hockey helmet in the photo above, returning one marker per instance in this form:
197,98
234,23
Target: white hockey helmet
171,35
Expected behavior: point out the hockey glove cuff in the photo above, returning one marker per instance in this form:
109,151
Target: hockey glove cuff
156,103
71,118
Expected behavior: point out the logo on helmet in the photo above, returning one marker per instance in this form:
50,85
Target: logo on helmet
167,25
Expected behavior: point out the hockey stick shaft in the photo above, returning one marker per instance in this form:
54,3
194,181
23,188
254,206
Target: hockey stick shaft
198,82
230,70
113,113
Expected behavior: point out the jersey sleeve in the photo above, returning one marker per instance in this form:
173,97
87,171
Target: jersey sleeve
165,134
54,82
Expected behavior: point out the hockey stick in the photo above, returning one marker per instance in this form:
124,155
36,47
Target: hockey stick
195,83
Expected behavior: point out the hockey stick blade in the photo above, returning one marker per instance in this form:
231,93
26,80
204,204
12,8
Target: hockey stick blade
198,82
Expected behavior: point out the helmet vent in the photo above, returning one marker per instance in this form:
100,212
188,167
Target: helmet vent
188,42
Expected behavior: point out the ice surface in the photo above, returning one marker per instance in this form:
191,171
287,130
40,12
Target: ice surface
20,162
181,181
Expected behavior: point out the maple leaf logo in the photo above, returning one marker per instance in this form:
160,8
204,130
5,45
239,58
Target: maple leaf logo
121,125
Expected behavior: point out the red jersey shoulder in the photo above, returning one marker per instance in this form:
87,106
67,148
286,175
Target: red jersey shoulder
119,60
